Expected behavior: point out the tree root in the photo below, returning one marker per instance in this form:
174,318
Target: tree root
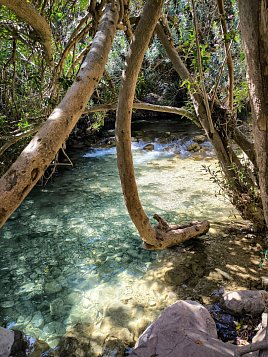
168,235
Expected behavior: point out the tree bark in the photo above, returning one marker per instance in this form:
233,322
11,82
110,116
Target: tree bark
35,158
163,236
254,30
27,12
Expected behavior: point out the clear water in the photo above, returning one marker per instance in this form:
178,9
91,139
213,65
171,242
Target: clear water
71,250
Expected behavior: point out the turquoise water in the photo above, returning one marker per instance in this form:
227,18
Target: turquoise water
71,250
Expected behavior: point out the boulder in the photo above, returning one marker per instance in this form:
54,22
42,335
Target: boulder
244,302
183,329
6,341
148,147
12,343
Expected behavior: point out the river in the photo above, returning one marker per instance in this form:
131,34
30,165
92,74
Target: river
71,254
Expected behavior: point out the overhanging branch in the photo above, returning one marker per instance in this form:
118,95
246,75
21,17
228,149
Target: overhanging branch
146,106
27,12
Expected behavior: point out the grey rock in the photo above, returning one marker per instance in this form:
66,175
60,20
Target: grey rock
183,329
6,341
245,302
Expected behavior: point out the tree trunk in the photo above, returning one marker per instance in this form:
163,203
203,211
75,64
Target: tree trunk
164,235
35,158
254,30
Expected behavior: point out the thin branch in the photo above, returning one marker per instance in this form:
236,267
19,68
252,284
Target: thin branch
219,77
212,130
227,45
14,139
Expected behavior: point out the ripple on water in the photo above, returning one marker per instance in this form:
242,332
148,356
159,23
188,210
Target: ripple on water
70,250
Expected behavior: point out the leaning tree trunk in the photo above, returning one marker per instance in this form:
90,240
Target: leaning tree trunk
163,235
254,30
35,158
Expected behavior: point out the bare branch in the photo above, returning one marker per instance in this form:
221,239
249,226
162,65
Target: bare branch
200,65
227,46
146,106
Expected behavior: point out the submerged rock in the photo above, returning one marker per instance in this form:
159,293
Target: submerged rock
37,320
52,287
57,307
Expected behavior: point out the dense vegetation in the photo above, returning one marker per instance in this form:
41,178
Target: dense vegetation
194,63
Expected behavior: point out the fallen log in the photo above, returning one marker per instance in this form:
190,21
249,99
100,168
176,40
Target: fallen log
168,235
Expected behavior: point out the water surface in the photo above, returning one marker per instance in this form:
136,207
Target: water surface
71,250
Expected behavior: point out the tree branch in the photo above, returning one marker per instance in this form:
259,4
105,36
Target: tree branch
146,106
27,12
14,139
201,74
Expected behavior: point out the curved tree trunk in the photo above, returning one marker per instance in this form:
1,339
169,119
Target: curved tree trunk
35,158
27,12
164,235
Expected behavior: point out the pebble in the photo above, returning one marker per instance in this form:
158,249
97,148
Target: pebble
152,303
7,304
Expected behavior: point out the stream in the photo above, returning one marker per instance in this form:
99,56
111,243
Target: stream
70,254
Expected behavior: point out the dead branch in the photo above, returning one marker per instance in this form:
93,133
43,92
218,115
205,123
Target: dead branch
146,106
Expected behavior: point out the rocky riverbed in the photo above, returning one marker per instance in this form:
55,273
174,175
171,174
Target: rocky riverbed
75,260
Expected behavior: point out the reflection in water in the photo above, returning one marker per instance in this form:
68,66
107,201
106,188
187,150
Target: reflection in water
71,249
